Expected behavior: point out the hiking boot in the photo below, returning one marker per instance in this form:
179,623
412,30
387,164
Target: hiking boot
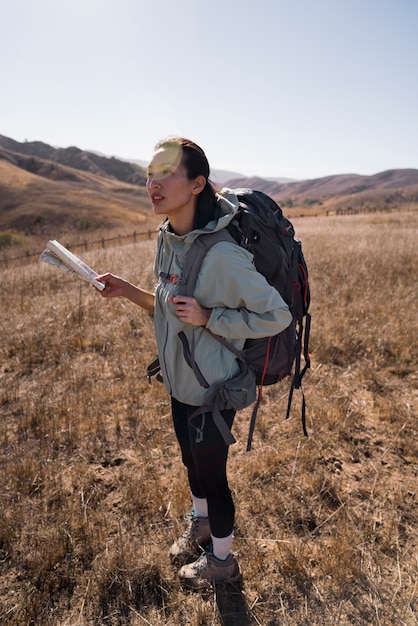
208,569
193,541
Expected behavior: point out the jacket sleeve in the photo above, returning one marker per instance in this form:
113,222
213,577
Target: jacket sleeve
243,303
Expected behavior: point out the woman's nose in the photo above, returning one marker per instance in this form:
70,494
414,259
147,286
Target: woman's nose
153,182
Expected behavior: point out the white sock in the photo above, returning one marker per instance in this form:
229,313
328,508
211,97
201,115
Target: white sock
222,547
200,506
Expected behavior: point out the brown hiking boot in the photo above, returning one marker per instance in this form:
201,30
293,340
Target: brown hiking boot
193,541
208,569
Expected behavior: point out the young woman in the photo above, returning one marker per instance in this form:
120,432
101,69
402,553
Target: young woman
232,300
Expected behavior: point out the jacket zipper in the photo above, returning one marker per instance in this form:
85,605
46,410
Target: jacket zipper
166,334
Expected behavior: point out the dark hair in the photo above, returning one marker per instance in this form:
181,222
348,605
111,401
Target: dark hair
196,164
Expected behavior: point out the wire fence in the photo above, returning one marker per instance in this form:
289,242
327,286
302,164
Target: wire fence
84,246
119,240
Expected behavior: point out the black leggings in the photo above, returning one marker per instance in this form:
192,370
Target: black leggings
206,463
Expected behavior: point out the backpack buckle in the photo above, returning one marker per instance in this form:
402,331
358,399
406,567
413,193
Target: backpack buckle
175,279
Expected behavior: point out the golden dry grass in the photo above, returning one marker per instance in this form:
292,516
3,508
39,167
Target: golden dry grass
77,206
93,491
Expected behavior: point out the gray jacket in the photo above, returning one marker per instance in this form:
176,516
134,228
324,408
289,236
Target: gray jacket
243,306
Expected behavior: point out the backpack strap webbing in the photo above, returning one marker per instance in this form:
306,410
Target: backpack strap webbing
195,256
188,354
299,374
219,422
253,418
259,399
154,369
189,274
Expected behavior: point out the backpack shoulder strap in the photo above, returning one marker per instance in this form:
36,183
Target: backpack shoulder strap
195,256
193,262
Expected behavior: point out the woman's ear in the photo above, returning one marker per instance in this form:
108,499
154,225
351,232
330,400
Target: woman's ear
198,184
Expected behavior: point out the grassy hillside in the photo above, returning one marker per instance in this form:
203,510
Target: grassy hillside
57,192
56,201
385,191
75,158
92,490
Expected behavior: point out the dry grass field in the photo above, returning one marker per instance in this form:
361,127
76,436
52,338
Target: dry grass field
93,491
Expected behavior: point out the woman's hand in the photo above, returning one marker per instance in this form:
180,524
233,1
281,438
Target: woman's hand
190,311
114,286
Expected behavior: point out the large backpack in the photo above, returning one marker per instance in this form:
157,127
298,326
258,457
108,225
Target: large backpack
260,227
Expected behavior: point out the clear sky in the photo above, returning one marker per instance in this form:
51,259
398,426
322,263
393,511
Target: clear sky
293,88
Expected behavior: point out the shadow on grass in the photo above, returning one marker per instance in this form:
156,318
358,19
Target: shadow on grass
232,605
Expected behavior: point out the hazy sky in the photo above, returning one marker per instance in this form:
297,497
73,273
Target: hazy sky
295,88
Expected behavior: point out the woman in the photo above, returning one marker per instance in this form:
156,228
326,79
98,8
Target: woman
232,300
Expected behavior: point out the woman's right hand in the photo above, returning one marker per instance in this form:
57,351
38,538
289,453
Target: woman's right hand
114,286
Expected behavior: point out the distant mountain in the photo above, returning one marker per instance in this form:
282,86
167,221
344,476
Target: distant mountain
45,197
332,185
220,177
47,190
391,188
134,172
86,161
129,171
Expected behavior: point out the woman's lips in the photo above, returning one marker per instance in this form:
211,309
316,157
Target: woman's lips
157,198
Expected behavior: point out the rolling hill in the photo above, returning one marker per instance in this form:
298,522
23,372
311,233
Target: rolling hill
73,157
69,191
388,189
48,191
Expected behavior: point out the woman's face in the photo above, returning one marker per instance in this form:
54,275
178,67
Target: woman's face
170,190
